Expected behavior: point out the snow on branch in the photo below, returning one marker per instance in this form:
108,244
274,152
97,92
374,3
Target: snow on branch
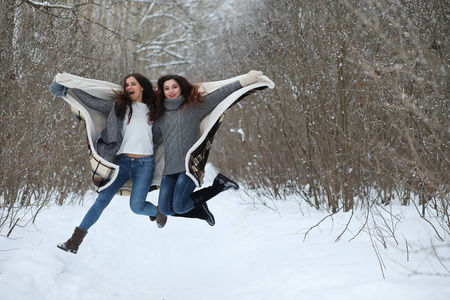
170,16
46,4
114,31
146,1
173,63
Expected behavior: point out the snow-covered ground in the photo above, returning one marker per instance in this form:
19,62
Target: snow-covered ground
252,252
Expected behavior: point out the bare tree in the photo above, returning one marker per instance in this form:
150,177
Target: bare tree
361,102
43,156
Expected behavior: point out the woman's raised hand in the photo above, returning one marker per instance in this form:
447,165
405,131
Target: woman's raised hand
57,89
250,77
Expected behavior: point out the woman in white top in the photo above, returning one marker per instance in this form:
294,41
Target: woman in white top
128,135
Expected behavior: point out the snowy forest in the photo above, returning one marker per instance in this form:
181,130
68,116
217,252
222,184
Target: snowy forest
359,117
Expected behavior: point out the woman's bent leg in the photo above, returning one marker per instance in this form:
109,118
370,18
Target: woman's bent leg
167,188
184,187
142,175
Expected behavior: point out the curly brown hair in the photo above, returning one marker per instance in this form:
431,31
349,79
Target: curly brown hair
188,90
123,100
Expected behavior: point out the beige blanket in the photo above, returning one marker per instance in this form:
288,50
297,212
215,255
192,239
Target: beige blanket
104,171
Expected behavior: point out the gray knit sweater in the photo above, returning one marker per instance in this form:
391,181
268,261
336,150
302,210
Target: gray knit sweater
110,138
180,128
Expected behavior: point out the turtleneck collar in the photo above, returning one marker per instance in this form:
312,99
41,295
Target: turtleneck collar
174,103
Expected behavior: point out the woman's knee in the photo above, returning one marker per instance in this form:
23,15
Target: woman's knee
179,208
165,210
137,208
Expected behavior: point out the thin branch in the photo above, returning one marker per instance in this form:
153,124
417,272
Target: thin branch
323,219
346,227
15,223
428,221
438,257
7,117
114,31
174,63
377,253
45,4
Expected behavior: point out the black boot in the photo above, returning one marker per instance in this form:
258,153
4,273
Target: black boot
200,211
221,183
208,216
203,195
225,182
74,242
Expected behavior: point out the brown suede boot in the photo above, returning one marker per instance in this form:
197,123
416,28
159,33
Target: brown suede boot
74,242
160,219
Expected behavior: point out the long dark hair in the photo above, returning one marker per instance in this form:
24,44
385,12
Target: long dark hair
188,90
123,100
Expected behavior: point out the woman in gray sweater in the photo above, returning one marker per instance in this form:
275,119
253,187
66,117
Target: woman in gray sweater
178,126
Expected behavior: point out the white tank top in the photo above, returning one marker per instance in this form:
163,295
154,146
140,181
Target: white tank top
137,135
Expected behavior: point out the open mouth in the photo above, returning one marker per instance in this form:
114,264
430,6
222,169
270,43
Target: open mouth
131,93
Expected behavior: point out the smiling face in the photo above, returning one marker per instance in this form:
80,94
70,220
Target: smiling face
171,89
134,89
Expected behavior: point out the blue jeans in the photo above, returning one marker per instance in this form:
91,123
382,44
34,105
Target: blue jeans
174,194
140,170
